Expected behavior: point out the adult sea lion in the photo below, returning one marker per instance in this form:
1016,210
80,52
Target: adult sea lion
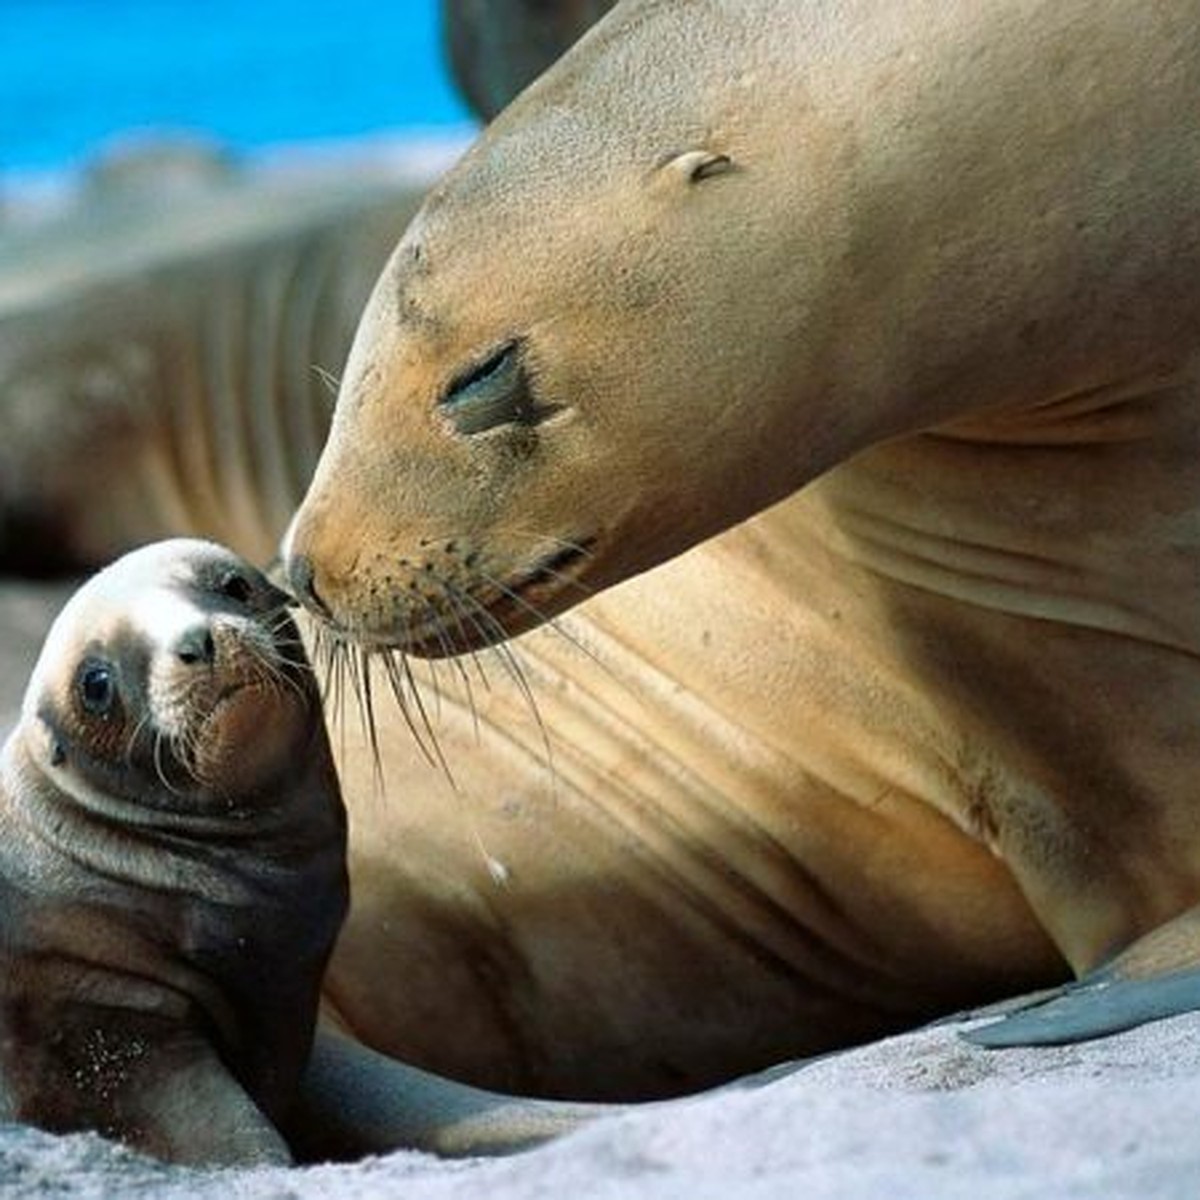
896,306
171,863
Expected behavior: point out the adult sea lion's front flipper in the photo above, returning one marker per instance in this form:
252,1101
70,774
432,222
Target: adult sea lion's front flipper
355,1101
1157,977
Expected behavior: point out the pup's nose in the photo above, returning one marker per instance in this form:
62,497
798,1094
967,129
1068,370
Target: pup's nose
196,647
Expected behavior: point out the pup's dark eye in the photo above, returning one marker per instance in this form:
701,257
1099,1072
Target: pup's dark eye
97,687
496,392
236,586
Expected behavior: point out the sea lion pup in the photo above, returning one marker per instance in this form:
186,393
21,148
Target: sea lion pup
922,277
172,869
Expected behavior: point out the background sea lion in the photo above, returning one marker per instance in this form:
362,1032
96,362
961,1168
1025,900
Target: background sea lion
167,361
171,863
870,753
497,47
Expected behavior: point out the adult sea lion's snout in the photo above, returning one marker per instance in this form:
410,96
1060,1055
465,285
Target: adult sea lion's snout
570,358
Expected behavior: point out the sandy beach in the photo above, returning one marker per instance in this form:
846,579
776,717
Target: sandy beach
924,1116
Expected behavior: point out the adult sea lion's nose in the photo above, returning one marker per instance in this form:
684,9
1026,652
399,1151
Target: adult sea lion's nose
300,579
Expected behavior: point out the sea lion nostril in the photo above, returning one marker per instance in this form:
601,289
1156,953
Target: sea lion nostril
300,579
182,834
196,646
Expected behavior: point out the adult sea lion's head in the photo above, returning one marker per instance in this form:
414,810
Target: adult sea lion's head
573,361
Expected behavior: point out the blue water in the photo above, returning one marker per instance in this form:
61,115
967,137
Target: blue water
252,73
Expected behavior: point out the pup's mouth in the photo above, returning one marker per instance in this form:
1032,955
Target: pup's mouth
253,697
246,734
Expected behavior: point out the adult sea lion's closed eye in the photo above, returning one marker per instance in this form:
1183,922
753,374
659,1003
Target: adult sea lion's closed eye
496,392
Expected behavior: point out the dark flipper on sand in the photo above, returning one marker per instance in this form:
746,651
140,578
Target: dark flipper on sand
1157,976
1097,1006
356,1101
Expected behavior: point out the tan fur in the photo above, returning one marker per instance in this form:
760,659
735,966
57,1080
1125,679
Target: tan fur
924,730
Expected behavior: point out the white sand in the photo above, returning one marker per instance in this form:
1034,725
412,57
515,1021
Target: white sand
922,1117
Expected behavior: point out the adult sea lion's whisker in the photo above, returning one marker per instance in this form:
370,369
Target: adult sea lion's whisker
328,378
508,658
460,611
542,617
353,665
340,652
423,712
583,549
366,712
568,580
539,614
323,664
333,690
394,670
408,700
451,652
577,550
491,631
464,674
431,666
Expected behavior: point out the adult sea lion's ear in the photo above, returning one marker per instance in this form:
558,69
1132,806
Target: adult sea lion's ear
695,166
